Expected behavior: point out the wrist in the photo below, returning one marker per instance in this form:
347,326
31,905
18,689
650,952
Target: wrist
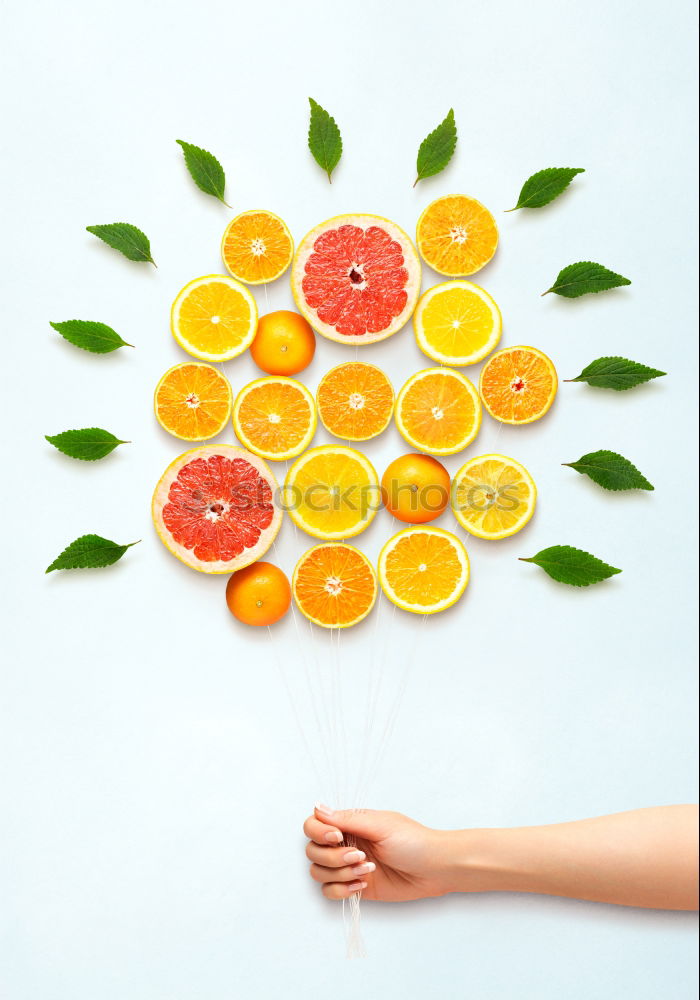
477,860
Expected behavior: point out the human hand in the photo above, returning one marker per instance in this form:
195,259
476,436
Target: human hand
394,857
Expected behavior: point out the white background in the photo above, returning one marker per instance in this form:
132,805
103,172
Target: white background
154,782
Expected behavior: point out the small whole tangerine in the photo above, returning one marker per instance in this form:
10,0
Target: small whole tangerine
416,488
284,343
259,594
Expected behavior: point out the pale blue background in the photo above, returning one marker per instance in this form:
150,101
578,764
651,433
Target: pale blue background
153,782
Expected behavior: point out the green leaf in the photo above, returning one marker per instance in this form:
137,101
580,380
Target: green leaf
205,170
436,150
584,277
611,471
616,373
566,564
89,552
125,238
87,444
545,186
90,336
325,142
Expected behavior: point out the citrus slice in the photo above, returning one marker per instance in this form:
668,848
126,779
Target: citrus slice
438,411
216,508
214,318
257,247
493,496
424,570
332,492
457,323
356,278
334,585
193,401
355,401
457,235
275,417
518,385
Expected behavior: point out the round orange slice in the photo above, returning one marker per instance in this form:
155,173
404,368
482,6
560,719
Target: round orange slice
275,417
355,401
332,492
424,570
518,385
456,235
438,411
193,401
214,318
334,585
257,247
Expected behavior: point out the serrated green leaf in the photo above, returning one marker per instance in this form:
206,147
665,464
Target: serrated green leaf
205,170
583,277
89,552
436,150
545,186
616,373
98,338
325,142
87,444
125,238
565,564
611,471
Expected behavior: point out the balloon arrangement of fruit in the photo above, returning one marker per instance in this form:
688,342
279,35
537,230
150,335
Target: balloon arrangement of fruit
356,280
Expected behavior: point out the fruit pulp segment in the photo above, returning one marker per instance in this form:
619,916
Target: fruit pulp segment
217,507
438,410
517,385
214,318
335,585
275,416
355,401
423,568
356,279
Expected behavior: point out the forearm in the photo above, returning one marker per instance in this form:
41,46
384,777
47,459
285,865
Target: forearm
647,857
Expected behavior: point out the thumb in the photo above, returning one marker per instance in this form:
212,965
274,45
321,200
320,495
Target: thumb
372,824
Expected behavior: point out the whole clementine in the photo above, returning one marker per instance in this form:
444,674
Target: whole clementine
259,594
416,488
284,343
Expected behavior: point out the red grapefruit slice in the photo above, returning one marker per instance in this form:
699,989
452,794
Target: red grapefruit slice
356,278
217,508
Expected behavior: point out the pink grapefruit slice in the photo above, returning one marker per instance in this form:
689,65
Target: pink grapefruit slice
216,508
356,278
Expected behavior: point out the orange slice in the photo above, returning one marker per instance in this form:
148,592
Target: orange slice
334,585
257,247
493,496
275,417
355,401
214,318
457,235
424,570
193,401
438,411
332,492
518,385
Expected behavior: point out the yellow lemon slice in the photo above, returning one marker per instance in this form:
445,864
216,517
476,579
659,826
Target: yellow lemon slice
493,496
424,570
257,247
275,417
214,318
438,411
332,492
457,323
